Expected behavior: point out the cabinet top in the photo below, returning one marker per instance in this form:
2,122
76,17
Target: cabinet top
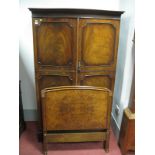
90,13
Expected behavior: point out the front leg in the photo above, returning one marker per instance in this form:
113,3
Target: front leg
45,144
106,142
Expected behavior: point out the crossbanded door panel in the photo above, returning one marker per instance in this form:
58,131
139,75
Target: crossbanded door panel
55,42
98,44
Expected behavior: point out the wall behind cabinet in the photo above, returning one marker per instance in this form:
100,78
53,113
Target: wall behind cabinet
125,64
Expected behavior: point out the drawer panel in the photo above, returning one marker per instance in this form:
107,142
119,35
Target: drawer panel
55,80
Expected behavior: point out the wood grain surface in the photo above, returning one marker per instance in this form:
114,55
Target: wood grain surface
75,108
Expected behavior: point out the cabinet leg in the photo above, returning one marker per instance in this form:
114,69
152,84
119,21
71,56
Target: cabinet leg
45,145
44,148
106,142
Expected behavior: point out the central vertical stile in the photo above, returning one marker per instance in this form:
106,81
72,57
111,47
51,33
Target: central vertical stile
77,51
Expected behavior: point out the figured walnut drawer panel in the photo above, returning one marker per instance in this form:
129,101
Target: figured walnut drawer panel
76,137
76,109
97,79
55,80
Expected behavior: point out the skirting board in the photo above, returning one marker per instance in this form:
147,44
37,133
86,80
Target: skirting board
115,128
30,115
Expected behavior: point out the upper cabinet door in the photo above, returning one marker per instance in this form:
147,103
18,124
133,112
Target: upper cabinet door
55,40
98,44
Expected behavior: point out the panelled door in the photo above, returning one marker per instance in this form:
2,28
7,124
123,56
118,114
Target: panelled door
97,52
55,51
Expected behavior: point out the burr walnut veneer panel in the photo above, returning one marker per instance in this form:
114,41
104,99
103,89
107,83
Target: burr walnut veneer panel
78,108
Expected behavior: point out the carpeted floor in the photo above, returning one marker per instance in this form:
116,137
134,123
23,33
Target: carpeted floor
30,146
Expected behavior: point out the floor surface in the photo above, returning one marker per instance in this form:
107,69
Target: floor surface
30,146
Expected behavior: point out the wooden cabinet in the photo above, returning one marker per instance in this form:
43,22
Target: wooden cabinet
74,47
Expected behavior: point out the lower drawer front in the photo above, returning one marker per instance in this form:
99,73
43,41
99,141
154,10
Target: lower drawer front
76,137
